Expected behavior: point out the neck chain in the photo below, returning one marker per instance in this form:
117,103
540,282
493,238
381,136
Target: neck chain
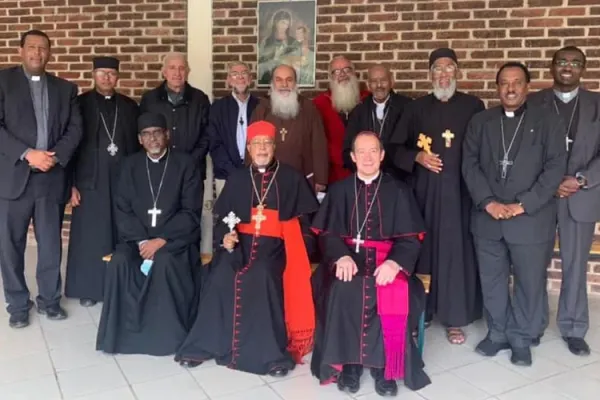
505,162
361,227
382,121
162,178
261,200
112,147
568,134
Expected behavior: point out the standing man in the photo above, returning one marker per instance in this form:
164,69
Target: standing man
40,128
228,123
380,113
185,108
514,159
579,193
434,173
300,138
335,105
109,134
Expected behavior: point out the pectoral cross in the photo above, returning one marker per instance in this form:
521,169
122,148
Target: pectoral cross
283,133
448,135
112,149
357,243
424,143
231,220
505,163
155,212
568,141
259,217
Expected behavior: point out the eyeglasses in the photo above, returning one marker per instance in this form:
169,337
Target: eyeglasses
449,69
339,71
573,64
261,143
104,74
238,75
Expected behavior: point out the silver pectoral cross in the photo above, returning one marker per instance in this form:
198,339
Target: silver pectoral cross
154,212
568,141
505,163
112,149
231,220
357,243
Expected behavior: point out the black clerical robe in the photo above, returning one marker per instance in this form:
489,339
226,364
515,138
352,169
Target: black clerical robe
448,254
349,329
95,173
241,321
152,314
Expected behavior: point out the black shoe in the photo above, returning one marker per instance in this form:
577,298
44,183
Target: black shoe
349,379
189,363
87,302
279,372
384,387
536,341
18,321
489,349
521,356
577,346
54,313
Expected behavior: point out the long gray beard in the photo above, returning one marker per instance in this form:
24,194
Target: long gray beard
285,107
444,93
345,96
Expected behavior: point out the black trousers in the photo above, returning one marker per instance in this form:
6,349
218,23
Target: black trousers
520,319
15,215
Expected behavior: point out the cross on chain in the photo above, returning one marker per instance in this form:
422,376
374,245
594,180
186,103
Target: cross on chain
155,212
448,135
568,141
283,133
424,143
357,243
258,218
505,163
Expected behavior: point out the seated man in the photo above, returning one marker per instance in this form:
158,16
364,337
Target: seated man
371,233
255,311
149,288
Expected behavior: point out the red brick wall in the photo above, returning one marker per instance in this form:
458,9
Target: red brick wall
485,34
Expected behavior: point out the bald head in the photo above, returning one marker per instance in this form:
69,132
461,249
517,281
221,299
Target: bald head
283,71
380,82
175,71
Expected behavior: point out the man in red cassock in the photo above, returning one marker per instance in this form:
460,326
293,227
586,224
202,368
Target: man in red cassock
335,105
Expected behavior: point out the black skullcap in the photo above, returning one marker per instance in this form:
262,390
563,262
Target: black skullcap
106,62
443,52
151,120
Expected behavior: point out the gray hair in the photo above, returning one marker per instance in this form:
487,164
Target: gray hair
174,55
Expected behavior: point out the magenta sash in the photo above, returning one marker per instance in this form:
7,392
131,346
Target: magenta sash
392,307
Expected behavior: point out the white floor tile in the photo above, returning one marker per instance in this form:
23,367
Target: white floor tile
575,385
259,393
542,367
22,342
115,394
27,367
140,368
68,336
403,396
537,391
447,386
557,350
77,315
180,387
307,387
91,380
44,388
78,355
453,356
491,377
221,381
591,371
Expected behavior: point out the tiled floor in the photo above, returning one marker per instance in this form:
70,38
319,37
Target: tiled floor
56,360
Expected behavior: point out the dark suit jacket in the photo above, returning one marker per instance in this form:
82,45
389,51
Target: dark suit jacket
222,130
584,156
186,121
538,169
18,131
85,162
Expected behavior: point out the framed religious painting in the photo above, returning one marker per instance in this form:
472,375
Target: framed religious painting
287,35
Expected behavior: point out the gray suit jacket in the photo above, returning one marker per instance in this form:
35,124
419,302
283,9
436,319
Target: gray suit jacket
584,157
539,166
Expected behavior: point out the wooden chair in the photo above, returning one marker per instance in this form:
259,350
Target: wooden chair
426,280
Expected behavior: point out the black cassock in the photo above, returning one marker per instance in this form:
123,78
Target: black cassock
95,173
240,321
347,311
152,314
448,254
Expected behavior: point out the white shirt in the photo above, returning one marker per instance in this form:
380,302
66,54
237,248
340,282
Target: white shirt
242,125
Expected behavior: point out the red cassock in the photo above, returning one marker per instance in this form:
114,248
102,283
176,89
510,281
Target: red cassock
335,130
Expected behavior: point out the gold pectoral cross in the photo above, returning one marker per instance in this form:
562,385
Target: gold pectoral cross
424,143
283,133
258,218
448,136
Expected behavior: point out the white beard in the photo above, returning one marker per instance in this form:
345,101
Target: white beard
285,107
444,93
345,96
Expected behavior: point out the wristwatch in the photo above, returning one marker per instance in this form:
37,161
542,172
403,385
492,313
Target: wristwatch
581,180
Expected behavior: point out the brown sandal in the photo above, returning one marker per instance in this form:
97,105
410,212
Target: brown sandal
455,335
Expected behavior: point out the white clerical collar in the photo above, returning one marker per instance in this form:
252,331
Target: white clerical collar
380,107
509,114
35,78
156,161
368,181
566,97
240,101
